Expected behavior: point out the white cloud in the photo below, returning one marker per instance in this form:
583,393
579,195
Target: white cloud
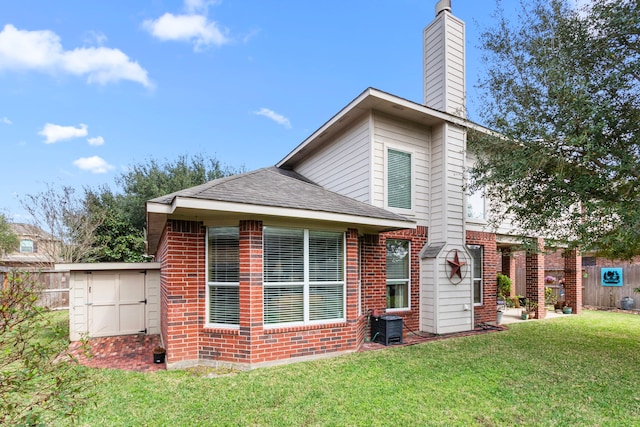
42,51
278,118
194,28
98,140
54,133
6,121
93,164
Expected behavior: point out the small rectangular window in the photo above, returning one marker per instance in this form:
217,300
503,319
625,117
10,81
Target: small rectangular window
476,254
223,275
398,256
26,246
398,179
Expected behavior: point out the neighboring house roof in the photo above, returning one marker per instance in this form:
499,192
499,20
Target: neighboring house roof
269,192
38,236
373,99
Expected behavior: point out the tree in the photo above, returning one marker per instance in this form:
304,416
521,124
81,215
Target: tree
122,215
152,179
40,381
66,217
8,239
562,93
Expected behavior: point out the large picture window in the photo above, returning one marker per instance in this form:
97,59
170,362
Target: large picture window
303,276
398,179
398,274
476,254
223,271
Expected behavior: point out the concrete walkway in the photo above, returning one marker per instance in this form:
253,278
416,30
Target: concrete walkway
512,315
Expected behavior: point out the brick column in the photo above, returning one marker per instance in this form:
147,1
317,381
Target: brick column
573,280
535,277
251,307
373,274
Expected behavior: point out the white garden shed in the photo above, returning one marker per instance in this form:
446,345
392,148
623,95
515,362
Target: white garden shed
109,299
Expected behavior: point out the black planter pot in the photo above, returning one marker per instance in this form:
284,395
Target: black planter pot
158,357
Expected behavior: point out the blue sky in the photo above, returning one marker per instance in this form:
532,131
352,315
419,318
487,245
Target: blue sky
90,88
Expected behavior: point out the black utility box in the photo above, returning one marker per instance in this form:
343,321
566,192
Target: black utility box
386,329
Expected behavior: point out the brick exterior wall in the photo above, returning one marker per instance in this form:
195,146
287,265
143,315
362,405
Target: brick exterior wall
487,311
183,279
373,255
573,280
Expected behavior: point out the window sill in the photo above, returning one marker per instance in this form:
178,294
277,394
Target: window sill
222,329
278,329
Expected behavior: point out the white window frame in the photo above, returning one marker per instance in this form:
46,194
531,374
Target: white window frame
306,284
408,278
412,154
31,246
475,279
211,284
474,199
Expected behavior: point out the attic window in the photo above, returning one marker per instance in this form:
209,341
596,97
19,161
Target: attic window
27,246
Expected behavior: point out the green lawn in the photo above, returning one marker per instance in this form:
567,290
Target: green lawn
576,370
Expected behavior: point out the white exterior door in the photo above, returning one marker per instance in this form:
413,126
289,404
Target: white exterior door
116,302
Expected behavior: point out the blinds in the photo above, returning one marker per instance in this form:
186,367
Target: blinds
326,302
303,275
224,264
283,304
326,256
223,275
283,255
398,179
224,304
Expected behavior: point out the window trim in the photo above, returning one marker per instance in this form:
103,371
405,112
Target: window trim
475,279
408,279
412,154
306,283
33,246
209,284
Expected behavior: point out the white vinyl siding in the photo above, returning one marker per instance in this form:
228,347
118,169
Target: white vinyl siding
343,165
398,274
444,78
408,137
304,278
399,178
223,270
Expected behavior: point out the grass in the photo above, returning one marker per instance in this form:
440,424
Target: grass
577,370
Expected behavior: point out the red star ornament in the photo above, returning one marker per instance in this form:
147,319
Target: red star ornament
456,266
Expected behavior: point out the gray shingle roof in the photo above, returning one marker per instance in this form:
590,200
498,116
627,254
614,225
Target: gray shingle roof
281,188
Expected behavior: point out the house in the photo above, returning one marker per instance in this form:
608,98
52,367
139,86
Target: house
367,215
35,250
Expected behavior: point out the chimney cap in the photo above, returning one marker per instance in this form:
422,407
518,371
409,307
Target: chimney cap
443,5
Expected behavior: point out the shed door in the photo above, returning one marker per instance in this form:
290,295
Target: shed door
116,303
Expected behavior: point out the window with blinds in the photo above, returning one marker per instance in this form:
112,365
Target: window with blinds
223,270
476,255
398,179
398,256
303,276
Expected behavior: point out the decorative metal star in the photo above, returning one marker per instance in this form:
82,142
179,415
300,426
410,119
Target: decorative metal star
456,266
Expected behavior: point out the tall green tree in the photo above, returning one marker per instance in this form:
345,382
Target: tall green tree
122,213
562,93
8,239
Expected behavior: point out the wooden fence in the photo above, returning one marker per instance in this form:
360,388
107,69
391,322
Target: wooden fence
593,293
54,287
